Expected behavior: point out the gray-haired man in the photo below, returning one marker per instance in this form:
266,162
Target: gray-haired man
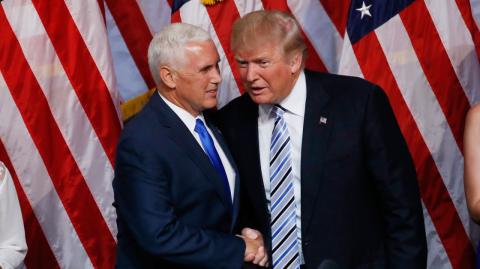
176,186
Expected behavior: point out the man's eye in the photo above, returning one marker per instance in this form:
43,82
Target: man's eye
264,63
206,69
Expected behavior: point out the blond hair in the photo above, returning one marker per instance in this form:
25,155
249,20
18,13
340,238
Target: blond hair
260,27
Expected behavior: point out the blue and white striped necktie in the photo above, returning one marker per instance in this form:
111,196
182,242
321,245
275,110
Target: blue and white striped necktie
285,247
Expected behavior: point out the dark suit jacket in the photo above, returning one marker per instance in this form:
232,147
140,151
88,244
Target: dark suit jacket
172,209
360,204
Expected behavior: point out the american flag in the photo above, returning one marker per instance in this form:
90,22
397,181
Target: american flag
65,66
59,125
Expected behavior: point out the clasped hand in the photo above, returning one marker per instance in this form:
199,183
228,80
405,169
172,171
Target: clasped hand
254,247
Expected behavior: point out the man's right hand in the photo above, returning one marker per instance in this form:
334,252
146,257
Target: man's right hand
255,250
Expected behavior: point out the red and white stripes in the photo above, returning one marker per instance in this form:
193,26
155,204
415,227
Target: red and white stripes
60,126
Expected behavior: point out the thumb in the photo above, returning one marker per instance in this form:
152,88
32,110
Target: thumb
250,233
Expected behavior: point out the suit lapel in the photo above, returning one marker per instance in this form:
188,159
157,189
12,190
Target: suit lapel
316,135
248,129
179,133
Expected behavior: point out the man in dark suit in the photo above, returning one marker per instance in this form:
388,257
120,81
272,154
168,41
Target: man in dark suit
176,186
326,173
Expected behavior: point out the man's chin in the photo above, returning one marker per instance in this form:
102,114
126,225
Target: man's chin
210,105
260,99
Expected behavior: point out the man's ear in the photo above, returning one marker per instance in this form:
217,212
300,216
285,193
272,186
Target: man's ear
167,76
296,62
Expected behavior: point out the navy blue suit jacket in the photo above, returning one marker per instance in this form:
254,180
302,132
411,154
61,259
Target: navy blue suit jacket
172,209
360,204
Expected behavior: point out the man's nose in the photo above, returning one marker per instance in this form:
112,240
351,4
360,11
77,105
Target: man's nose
251,73
216,76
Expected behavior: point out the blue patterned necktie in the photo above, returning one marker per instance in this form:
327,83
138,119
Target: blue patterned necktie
285,247
209,147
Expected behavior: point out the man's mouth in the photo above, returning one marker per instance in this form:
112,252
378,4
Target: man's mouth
212,92
257,90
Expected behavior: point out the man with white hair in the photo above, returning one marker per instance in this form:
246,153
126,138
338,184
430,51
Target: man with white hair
176,186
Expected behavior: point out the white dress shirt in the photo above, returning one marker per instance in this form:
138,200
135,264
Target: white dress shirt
294,104
190,122
13,247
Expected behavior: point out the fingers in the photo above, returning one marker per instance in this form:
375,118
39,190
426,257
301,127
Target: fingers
264,261
249,257
259,255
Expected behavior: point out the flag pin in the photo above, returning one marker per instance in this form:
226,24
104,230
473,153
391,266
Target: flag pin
323,120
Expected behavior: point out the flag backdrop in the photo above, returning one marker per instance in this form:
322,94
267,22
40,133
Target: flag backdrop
65,65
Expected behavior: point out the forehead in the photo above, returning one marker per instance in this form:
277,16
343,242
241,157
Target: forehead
264,51
200,47
201,51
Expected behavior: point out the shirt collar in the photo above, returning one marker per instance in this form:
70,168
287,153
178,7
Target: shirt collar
187,118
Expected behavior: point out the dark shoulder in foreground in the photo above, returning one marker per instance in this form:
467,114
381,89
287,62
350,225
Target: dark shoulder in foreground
140,126
242,102
337,85
239,108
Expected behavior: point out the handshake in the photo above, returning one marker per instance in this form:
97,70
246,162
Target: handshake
255,251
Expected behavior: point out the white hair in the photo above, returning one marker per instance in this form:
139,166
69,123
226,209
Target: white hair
167,45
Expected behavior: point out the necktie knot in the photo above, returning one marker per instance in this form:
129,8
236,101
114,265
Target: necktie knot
277,111
200,127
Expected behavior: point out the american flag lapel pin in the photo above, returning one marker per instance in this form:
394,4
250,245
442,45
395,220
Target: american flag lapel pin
323,120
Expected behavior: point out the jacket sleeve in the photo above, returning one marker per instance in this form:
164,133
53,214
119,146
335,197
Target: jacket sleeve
144,204
394,175
13,246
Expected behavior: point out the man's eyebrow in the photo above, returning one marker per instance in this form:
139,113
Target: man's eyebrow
207,66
